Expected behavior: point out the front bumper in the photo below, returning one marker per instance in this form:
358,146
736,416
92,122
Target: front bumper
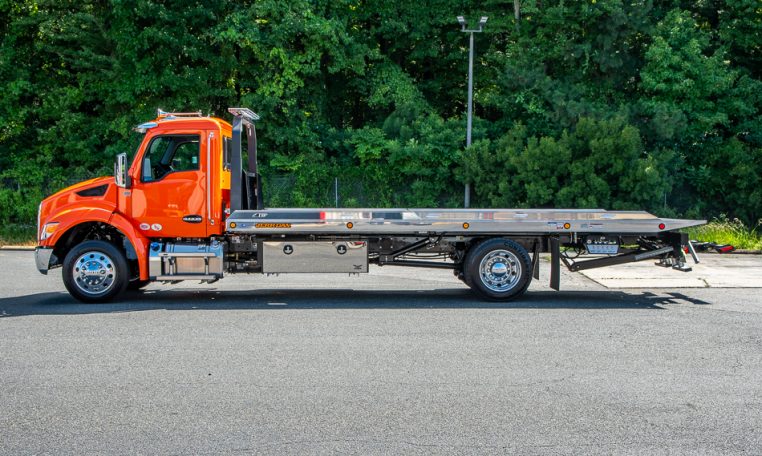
42,257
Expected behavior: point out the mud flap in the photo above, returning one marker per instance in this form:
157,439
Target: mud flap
555,263
536,261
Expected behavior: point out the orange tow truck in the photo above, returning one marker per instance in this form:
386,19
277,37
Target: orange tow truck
187,208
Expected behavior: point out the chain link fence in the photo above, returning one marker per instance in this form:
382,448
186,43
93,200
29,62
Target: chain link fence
279,191
336,192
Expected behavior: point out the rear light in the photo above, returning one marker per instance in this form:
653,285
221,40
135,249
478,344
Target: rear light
662,226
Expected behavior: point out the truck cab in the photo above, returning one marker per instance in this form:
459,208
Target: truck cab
177,186
178,180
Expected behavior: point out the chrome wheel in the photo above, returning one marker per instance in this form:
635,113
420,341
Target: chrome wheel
94,273
500,270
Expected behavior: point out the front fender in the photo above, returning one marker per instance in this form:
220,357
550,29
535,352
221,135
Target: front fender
139,242
71,218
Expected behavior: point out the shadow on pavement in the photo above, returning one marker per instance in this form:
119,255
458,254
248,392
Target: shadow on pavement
60,303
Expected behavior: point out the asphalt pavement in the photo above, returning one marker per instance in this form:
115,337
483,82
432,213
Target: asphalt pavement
399,361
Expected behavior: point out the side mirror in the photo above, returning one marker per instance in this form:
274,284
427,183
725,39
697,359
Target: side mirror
120,171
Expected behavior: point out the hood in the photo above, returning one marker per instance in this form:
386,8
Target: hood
90,183
93,193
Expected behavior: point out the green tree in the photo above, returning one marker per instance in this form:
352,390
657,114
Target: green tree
622,104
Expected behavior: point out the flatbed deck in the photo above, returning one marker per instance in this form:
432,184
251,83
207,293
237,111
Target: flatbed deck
368,221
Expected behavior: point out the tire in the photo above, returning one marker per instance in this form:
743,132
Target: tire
138,284
95,271
498,269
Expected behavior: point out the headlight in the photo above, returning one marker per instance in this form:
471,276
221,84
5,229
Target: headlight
48,230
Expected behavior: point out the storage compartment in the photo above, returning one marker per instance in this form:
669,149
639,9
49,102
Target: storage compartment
338,256
185,261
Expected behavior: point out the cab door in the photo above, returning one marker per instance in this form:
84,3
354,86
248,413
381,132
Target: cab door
169,194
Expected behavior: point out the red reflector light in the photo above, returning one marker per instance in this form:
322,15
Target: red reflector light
662,226
322,215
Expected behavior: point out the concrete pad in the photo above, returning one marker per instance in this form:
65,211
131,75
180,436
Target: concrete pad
714,271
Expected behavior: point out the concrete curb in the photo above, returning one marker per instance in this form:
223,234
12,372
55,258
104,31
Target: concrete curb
17,247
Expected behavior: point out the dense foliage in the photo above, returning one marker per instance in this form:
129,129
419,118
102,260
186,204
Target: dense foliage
623,104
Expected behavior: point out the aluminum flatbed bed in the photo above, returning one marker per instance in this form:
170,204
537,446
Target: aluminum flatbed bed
328,221
495,251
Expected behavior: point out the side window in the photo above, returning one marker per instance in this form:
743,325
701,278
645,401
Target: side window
170,154
227,152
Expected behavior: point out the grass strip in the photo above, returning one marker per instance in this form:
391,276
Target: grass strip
728,231
18,235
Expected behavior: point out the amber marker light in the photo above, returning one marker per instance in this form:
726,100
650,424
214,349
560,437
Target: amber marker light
466,225
350,225
48,230
567,226
232,225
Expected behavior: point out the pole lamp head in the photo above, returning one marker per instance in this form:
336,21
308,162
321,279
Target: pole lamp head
462,21
482,22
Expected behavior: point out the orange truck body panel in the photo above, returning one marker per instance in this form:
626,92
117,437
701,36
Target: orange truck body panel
69,209
153,209
72,215
167,201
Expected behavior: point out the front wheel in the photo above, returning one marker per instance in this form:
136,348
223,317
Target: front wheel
95,271
498,269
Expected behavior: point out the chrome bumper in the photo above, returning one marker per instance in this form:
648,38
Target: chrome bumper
42,258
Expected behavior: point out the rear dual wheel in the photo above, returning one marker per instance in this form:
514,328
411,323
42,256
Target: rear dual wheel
498,269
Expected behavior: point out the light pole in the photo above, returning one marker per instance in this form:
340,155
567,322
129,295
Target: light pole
464,28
